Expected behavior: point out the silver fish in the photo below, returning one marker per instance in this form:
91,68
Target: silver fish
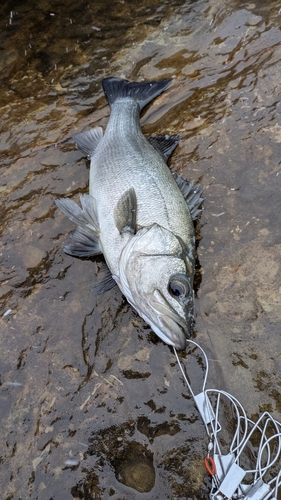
138,214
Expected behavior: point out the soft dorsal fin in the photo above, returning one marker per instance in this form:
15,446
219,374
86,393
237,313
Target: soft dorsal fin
164,144
192,194
126,212
88,141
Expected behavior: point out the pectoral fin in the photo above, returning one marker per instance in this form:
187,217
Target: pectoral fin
126,212
192,194
164,144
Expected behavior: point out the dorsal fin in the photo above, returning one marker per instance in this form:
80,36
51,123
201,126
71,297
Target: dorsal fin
84,217
83,243
85,239
88,141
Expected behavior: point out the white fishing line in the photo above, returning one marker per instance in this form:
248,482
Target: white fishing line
231,479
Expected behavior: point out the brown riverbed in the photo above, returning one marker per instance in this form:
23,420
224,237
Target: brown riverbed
92,403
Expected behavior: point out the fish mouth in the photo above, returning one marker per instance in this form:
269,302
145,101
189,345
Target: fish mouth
171,328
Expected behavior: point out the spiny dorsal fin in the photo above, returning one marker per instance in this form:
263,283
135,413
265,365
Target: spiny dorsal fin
141,92
164,144
126,212
88,141
86,216
192,194
83,244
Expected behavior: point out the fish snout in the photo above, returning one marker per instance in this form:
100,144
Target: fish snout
175,333
172,328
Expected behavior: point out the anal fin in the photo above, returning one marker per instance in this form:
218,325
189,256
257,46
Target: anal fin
164,144
192,194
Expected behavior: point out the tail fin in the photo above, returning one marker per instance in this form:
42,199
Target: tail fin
142,92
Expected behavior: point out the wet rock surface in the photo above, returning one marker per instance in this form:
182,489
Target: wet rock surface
92,404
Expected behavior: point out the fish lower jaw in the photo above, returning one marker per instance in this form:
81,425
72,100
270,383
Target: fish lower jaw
174,337
171,332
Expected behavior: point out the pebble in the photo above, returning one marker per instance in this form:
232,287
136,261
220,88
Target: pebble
32,256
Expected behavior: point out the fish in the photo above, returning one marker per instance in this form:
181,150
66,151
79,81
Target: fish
138,214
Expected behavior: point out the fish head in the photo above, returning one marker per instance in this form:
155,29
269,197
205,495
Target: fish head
156,276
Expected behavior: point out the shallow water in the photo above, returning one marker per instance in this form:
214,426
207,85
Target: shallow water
92,404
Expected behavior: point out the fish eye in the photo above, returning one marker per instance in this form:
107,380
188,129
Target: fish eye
178,288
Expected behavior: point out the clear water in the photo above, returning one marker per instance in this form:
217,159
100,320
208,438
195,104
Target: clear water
92,404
